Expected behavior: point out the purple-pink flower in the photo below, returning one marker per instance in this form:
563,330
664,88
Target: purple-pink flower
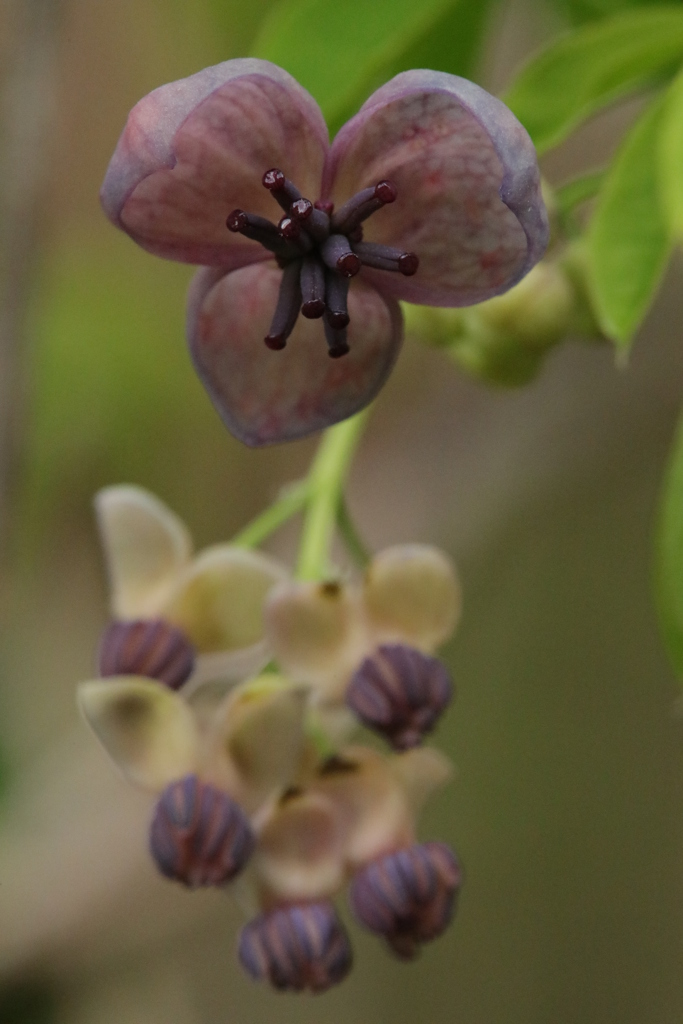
431,191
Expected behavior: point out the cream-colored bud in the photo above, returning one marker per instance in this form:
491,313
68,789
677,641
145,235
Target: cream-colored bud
412,595
145,546
218,602
147,729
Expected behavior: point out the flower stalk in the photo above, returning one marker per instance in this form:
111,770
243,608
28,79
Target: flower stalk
292,499
326,479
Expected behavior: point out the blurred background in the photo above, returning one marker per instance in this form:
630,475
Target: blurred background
567,806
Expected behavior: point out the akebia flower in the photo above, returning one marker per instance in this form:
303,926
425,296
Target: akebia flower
214,766
369,645
429,194
176,612
354,819
254,775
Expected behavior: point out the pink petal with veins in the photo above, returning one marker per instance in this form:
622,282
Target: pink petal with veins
469,201
264,396
194,150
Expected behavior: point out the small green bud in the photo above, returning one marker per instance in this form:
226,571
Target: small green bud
432,325
506,338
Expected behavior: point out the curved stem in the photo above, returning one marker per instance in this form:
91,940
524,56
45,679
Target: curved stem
291,500
326,479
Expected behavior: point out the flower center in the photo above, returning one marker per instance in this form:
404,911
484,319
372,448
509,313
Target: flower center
319,252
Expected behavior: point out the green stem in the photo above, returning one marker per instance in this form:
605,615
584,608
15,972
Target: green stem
291,500
326,479
350,535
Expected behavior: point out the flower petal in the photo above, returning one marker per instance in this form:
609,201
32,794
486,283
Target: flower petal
317,634
194,150
412,595
421,771
469,201
264,396
260,729
218,601
300,852
230,666
148,730
371,801
145,545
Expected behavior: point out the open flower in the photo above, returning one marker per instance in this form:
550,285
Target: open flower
162,593
215,766
369,644
355,818
432,189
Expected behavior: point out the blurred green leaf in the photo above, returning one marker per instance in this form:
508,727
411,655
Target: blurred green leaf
341,51
578,190
669,556
237,23
113,393
671,157
580,11
589,68
628,240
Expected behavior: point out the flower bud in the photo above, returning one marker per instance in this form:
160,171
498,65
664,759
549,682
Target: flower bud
408,896
400,692
536,311
297,947
146,647
199,835
505,339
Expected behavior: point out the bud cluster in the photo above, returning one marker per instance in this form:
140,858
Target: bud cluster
506,339
244,780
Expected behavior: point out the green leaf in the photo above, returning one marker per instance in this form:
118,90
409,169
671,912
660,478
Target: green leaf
671,157
340,51
593,66
578,190
580,11
628,239
669,555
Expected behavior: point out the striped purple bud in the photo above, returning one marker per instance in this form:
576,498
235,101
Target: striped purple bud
400,692
199,835
146,647
409,896
297,947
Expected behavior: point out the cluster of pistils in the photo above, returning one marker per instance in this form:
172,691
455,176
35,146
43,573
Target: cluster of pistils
319,252
297,947
146,647
409,896
400,693
199,835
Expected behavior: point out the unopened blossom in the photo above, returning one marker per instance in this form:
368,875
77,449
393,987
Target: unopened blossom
429,194
297,947
409,896
170,604
369,644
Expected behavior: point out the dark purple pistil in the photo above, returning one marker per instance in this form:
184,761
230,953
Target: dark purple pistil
319,252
